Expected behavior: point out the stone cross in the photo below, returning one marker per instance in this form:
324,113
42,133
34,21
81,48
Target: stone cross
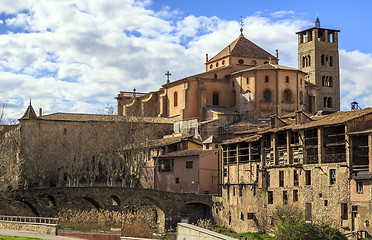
168,74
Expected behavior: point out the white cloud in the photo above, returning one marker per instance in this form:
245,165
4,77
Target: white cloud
280,14
75,56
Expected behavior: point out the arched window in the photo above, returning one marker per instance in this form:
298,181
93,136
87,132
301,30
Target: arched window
175,99
241,61
287,79
215,98
253,62
325,101
330,81
322,60
223,62
323,81
215,75
329,102
330,61
267,95
266,79
210,66
216,64
303,62
309,60
233,98
287,96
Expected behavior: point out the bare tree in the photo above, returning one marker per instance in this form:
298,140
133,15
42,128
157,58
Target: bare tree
2,113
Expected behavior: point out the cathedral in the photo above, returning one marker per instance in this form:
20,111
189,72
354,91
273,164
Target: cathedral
245,82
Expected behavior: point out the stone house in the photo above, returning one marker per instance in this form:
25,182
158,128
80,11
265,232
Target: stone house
319,165
65,149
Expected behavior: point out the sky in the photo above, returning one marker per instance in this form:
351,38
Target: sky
77,55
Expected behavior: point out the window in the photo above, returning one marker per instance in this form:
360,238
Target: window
295,195
233,190
329,102
285,197
223,62
287,96
344,211
303,62
308,215
268,179
281,178
307,177
177,180
359,187
332,176
189,164
241,215
240,191
65,131
330,61
253,62
216,64
210,66
322,59
225,172
270,197
267,95
215,76
247,81
325,101
175,99
266,79
287,79
325,203
250,215
295,177
309,62
166,165
215,98
241,61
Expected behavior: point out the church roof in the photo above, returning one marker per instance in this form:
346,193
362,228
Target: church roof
267,66
29,114
242,47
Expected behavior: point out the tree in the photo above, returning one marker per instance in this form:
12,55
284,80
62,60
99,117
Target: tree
2,113
291,225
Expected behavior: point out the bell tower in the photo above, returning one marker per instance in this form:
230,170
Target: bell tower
318,57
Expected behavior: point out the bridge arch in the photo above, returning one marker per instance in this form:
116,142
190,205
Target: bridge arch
93,202
195,210
115,200
30,206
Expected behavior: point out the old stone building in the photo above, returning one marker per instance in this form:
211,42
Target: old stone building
65,149
320,165
243,81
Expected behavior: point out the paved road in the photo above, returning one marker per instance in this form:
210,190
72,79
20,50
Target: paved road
20,233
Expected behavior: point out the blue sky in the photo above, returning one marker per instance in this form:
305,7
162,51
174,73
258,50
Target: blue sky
76,55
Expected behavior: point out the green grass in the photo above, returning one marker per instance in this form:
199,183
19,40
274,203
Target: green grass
256,235
17,238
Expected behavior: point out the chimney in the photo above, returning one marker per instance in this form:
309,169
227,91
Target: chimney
277,54
40,112
206,57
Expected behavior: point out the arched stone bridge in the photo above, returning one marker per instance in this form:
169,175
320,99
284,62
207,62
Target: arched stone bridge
170,207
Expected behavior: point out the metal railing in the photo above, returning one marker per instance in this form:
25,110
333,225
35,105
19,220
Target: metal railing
30,220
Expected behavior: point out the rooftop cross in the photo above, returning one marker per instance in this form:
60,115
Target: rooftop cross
241,25
168,74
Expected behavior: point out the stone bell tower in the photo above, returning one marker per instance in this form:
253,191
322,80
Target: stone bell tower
318,57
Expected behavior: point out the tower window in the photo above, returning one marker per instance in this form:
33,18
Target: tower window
175,99
267,95
325,101
215,76
210,66
322,60
303,62
287,79
330,61
216,64
266,79
307,177
287,96
215,98
241,61
309,61
329,102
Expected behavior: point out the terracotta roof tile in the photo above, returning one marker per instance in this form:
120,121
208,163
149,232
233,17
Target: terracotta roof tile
267,66
242,47
171,140
77,117
186,153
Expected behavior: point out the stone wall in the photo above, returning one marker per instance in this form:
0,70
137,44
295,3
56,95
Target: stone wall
50,229
190,232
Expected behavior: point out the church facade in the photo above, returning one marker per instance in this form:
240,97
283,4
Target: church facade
244,81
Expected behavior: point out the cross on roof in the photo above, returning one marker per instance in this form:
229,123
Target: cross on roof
241,25
168,74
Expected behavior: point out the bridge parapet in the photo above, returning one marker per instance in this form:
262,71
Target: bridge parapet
35,224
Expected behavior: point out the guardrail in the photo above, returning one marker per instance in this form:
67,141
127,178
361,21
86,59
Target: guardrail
30,220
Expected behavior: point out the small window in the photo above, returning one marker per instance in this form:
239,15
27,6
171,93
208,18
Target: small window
307,177
330,61
344,211
295,195
267,95
325,203
216,64
287,96
223,62
287,79
332,176
329,102
240,191
281,178
270,197
268,179
241,61
247,81
285,197
210,66
233,190
266,79
241,216
189,164
215,98
359,187
166,165
295,177
215,76
250,215
177,180
322,59
65,131
266,62
175,99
